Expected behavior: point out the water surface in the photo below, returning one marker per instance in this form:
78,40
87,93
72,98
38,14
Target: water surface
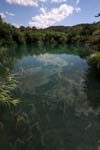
60,106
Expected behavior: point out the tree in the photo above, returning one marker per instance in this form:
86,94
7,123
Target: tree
1,20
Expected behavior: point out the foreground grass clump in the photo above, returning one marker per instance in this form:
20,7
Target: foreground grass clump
7,88
94,59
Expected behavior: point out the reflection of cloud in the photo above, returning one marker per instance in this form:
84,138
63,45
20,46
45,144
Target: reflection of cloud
62,71
53,60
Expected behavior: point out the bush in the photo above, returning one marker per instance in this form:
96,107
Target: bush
94,59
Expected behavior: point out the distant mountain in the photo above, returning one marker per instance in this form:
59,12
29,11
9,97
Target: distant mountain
58,28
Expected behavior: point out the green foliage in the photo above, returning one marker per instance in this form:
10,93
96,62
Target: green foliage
87,34
6,61
6,91
94,59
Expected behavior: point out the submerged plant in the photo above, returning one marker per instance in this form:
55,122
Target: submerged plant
7,88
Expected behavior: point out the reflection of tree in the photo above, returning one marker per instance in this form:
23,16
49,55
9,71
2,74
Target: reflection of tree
93,87
6,62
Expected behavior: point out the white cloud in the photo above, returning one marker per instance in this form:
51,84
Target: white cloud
23,2
48,18
2,15
58,1
43,1
5,14
78,9
9,14
32,2
53,1
17,26
77,1
43,10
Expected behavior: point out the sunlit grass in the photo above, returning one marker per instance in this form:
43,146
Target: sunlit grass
6,89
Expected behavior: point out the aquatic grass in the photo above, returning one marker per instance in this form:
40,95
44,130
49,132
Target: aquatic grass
7,88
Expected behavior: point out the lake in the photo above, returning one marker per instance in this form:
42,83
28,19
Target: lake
60,106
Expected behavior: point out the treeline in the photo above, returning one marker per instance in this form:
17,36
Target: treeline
87,34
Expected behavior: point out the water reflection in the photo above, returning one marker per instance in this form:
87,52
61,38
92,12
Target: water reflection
52,74
54,86
59,92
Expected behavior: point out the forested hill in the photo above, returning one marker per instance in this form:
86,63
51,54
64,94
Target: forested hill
87,34
78,26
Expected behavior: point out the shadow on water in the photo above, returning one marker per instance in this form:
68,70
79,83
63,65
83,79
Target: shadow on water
93,87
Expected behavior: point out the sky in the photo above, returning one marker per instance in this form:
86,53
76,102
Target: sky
45,13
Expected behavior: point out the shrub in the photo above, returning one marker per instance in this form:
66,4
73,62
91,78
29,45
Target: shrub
94,59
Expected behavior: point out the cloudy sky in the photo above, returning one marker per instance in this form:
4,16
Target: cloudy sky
45,13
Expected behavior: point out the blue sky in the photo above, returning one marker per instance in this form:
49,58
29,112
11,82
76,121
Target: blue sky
45,13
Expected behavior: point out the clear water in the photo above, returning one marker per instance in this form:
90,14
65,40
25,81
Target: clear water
54,85
60,104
